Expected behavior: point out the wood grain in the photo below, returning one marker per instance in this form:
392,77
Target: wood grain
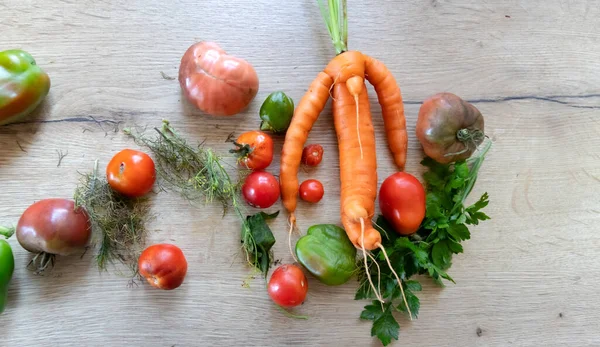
528,277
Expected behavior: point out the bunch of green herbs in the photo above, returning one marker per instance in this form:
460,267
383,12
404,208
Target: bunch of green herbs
427,252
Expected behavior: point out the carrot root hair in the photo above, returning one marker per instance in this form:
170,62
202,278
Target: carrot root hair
362,236
355,84
387,259
378,271
358,128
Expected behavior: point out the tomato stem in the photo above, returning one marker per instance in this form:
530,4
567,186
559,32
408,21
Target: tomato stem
468,137
242,151
7,232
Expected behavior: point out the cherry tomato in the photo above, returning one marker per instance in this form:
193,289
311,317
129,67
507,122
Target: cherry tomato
402,202
288,286
260,189
131,173
311,191
254,150
163,265
312,155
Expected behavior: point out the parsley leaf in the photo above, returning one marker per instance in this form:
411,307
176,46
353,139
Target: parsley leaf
413,301
385,326
458,231
441,255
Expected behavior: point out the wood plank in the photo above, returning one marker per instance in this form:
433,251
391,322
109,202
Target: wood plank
528,277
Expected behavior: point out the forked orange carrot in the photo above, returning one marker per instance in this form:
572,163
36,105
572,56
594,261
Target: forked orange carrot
344,79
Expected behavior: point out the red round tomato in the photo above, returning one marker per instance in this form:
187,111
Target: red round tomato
163,265
311,191
260,189
288,286
312,155
254,149
131,173
402,202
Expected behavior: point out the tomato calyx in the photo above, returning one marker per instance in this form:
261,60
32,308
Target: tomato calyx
242,151
469,137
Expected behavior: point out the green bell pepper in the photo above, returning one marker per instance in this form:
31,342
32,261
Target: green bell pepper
23,85
7,266
276,112
327,253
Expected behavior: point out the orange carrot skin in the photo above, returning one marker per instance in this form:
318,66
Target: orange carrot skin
392,108
346,65
305,116
358,176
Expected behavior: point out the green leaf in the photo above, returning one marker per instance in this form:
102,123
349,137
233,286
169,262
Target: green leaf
455,183
413,302
461,170
435,203
459,232
385,326
420,254
475,217
481,203
434,180
372,312
413,286
454,246
441,255
258,240
385,229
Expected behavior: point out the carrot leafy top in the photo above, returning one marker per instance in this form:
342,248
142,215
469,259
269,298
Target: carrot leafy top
336,19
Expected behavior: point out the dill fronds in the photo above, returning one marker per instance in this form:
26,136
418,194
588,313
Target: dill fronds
118,222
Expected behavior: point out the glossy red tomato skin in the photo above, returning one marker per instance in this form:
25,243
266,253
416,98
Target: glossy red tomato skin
311,191
54,226
131,173
260,150
312,155
260,189
163,265
402,202
288,286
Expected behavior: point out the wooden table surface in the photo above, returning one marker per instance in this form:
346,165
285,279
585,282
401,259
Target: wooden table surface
528,277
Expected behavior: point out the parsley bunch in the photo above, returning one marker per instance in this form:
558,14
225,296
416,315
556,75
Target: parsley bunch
427,252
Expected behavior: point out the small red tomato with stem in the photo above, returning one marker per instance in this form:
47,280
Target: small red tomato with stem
311,191
288,286
163,265
402,202
131,173
312,155
254,150
260,189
